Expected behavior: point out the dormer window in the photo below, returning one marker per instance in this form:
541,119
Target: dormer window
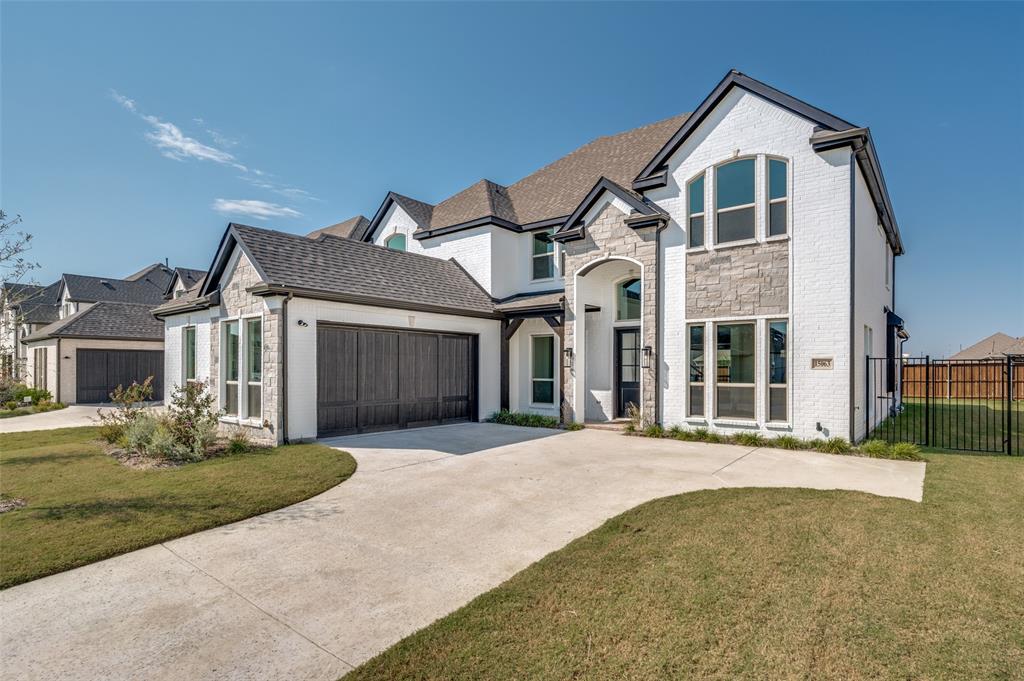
396,242
542,257
778,196
734,201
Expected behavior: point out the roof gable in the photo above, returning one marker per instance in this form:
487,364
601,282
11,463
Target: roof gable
733,79
636,202
353,227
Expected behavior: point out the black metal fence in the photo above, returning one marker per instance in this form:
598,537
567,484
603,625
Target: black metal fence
966,405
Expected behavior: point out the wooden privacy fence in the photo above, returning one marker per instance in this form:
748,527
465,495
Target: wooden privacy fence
968,379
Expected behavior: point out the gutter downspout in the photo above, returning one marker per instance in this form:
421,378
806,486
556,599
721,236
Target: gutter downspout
58,360
284,368
853,282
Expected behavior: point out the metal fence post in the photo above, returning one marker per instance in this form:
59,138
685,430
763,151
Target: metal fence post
1009,406
927,399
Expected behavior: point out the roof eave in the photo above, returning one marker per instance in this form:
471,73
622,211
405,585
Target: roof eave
264,290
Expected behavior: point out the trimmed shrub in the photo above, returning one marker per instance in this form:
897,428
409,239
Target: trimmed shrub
512,418
874,448
834,445
905,451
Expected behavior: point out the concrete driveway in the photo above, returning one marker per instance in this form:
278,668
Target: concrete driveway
431,519
72,416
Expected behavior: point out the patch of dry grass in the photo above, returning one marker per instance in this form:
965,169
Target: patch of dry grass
757,584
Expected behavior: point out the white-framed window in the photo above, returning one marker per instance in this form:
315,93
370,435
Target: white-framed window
778,370
888,262
695,208
627,299
254,367
542,255
231,349
242,372
735,212
396,242
696,358
188,350
778,197
39,369
542,370
735,370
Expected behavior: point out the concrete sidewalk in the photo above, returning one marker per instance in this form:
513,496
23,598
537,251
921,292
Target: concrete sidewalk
432,518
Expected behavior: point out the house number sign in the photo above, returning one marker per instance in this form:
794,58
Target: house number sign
821,363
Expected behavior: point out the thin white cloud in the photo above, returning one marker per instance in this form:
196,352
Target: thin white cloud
261,210
173,143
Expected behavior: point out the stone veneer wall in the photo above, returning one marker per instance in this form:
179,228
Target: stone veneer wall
608,235
738,281
235,301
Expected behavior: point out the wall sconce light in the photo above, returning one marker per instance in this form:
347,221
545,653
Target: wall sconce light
302,324
645,358
567,358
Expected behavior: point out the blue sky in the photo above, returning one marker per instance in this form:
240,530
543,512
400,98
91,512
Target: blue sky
133,132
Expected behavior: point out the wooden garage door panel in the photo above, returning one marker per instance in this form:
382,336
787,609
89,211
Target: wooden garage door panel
99,372
381,379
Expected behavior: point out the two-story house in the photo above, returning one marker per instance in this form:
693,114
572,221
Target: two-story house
725,269
99,333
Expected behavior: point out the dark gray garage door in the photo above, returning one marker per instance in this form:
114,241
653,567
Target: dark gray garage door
99,372
380,379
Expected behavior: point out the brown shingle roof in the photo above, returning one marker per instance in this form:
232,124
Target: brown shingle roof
555,190
105,320
358,270
354,225
995,345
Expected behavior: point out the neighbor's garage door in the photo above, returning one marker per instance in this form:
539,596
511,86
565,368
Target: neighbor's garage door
380,379
99,372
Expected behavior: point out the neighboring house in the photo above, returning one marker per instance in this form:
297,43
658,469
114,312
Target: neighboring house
25,308
103,334
996,346
356,225
182,280
726,269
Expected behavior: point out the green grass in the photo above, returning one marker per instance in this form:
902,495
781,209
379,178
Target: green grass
25,411
83,506
976,425
760,584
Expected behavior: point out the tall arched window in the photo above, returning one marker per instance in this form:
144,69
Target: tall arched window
734,201
396,242
627,297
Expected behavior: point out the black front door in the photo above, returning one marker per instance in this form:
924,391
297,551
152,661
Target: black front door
627,370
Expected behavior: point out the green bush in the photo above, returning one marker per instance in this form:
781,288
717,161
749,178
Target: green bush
715,438
874,448
513,418
111,431
574,426
834,445
138,433
11,405
163,445
192,419
787,442
749,439
239,442
700,434
906,451
654,430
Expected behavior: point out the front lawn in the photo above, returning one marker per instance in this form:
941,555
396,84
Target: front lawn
81,505
965,424
760,584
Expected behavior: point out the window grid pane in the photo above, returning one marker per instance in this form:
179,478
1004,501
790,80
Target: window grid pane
231,351
543,357
254,350
776,179
697,354
543,392
734,184
628,305
697,196
697,232
735,225
735,362
190,354
777,218
543,266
